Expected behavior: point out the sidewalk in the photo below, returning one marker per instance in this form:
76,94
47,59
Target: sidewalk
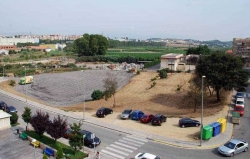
209,144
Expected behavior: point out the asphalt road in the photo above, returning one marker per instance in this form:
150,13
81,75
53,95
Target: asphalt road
116,140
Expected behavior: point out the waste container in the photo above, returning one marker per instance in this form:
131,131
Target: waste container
216,128
223,123
236,114
207,132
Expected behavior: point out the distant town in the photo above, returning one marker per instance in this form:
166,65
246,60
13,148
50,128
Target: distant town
168,41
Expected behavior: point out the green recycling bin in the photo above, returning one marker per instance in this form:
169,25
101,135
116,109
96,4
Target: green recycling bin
207,132
236,114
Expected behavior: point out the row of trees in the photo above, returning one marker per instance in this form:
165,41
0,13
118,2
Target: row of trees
56,128
200,50
119,44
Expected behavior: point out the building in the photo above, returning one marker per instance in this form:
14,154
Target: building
173,62
14,41
4,52
241,47
4,120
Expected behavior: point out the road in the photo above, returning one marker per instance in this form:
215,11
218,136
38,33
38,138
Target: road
127,146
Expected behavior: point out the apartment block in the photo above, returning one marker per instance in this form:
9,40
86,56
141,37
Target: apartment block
241,47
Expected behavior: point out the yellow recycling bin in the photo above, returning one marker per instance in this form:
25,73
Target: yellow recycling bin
223,123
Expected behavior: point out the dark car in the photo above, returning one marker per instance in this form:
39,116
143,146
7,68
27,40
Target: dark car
187,122
158,119
11,109
3,105
239,95
146,118
88,141
126,114
102,112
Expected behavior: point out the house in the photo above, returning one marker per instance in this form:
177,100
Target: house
173,61
4,120
4,52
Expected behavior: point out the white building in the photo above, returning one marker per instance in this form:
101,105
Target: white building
4,120
4,52
14,41
173,61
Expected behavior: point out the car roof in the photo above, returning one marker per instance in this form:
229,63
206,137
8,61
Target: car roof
102,108
85,132
2,101
240,99
11,106
235,141
240,93
137,111
149,155
158,115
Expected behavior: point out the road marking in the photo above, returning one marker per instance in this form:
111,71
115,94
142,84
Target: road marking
132,140
136,138
120,152
131,147
129,143
112,154
121,148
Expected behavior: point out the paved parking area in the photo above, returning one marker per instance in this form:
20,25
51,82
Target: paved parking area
13,147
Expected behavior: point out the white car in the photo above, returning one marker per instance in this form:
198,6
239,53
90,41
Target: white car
146,156
240,102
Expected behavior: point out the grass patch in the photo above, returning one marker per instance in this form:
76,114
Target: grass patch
51,143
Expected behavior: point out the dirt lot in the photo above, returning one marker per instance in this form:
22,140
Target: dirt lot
162,98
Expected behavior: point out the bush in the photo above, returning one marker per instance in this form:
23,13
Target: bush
153,79
162,73
59,153
45,156
12,82
13,118
138,72
96,95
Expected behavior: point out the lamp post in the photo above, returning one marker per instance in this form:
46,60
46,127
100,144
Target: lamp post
3,71
201,110
25,83
83,96
34,141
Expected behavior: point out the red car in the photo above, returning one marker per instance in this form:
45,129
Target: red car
146,118
240,109
67,133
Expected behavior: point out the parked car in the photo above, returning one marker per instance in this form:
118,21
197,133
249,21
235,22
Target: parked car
3,105
11,109
146,156
158,119
67,133
102,112
239,95
240,102
187,122
240,109
146,118
136,115
232,147
88,141
126,114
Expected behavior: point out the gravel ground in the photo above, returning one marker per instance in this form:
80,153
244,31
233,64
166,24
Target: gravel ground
64,89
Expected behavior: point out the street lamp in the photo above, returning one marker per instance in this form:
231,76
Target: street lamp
3,71
25,83
201,110
34,141
83,96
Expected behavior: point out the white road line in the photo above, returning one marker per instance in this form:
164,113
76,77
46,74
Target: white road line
121,148
132,140
136,138
124,145
120,152
112,154
129,143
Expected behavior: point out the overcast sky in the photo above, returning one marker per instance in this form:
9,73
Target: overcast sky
140,19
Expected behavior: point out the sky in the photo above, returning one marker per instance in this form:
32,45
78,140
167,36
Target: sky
135,19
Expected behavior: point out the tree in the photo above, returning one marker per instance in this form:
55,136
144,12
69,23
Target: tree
56,128
59,153
200,50
40,122
26,116
96,95
222,71
110,86
91,45
75,137
13,118
45,156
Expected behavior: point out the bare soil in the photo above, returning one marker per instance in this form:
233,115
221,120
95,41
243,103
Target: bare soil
162,98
